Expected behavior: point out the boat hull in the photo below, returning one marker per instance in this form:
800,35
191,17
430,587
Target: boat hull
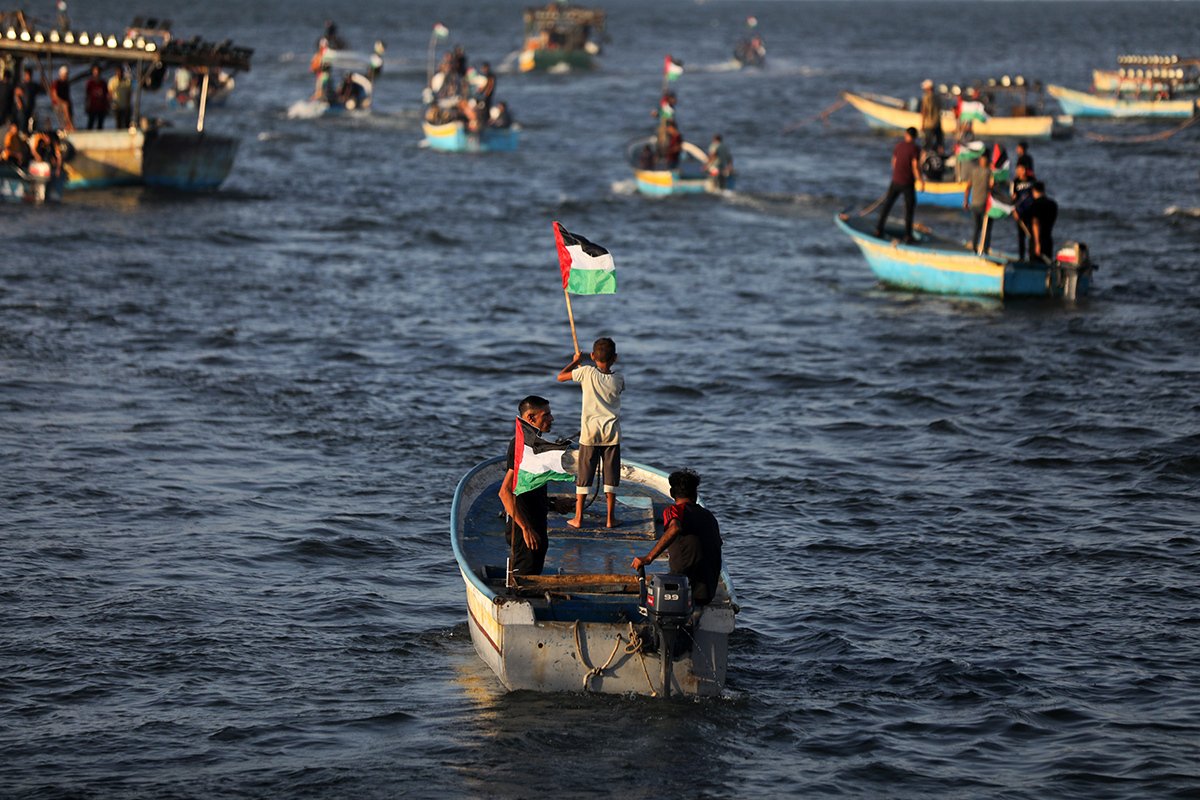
1083,104
664,182
578,641
453,137
541,59
187,160
21,187
1111,80
104,159
891,115
941,268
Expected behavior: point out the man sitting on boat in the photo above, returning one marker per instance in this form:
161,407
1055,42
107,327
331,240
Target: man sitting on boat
16,149
691,537
527,511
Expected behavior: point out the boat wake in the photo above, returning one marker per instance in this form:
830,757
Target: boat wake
627,187
306,109
1182,211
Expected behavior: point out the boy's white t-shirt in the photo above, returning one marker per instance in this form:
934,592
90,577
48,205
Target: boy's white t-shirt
600,418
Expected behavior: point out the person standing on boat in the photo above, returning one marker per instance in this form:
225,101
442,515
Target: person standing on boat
7,89
931,117
599,425
1022,197
95,100
60,98
975,199
906,173
25,100
528,510
674,149
1043,213
691,537
120,89
1023,157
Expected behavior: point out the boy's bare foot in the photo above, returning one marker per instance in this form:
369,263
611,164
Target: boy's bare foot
575,522
613,523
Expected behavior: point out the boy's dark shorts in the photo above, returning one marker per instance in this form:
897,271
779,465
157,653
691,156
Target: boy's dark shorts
609,456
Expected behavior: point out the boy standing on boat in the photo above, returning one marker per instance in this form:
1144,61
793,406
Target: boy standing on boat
599,425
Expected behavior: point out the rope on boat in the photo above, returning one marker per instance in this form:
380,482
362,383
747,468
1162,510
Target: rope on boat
1150,137
823,116
633,646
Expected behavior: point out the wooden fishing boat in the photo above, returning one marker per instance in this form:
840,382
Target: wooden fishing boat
1083,104
689,177
33,186
1148,75
943,266
148,153
352,93
560,38
950,193
578,626
453,137
890,113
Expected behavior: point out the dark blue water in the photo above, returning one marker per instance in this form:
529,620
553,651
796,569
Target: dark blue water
964,534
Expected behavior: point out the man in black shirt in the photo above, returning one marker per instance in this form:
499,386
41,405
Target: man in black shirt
528,510
1043,212
691,537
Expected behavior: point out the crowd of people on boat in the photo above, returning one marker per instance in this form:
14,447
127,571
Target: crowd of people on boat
984,172
102,97
666,151
458,92
355,89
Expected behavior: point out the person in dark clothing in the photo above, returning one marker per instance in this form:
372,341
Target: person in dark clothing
7,87
691,537
1022,197
906,173
527,511
1023,156
1043,212
96,100
60,98
25,100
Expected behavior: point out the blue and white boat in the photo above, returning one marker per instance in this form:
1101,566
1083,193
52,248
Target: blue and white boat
688,177
935,264
33,186
1083,104
453,137
578,626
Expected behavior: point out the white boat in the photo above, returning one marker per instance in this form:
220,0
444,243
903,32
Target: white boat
578,626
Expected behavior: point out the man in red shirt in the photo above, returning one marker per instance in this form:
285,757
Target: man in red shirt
906,173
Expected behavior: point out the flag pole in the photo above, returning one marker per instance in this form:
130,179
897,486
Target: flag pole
571,319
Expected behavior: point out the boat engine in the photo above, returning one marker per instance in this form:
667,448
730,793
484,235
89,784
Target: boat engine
1071,263
667,603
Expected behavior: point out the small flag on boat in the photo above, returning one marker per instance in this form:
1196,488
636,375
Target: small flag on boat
997,209
672,68
999,156
440,31
587,268
751,22
536,461
971,111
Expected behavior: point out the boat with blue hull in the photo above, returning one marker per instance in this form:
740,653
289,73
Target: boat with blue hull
942,266
1084,104
35,185
689,177
579,625
453,137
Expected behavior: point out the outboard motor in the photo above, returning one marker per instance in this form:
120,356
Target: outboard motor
667,603
1071,270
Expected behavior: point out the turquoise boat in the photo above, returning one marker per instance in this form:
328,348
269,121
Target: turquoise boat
33,186
943,266
689,177
580,626
1083,104
452,137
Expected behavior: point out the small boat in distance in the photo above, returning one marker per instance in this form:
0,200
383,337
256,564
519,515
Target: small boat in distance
893,114
351,93
943,266
453,137
580,626
1146,75
33,186
1083,104
559,38
750,50
690,176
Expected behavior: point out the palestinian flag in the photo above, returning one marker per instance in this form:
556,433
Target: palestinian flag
970,111
536,462
587,268
672,68
996,209
440,31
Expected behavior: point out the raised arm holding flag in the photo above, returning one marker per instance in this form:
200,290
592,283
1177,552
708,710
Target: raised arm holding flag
587,268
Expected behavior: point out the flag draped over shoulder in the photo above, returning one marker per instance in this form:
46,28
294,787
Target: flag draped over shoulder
672,68
587,268
536,461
